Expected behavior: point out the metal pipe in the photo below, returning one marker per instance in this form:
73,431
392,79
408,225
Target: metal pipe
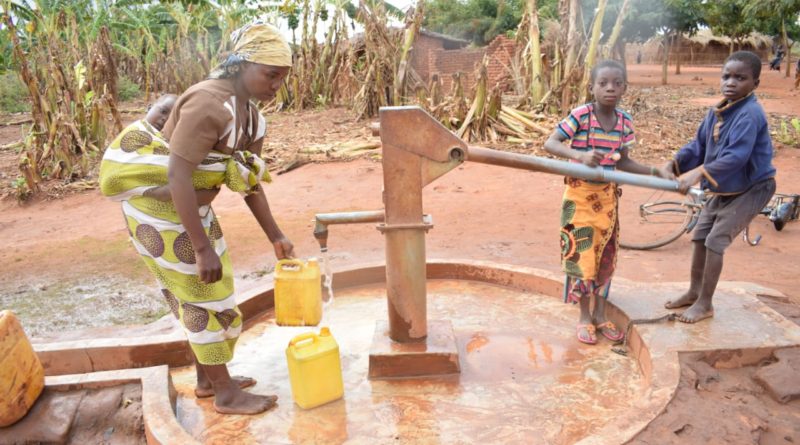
406,294
323,220
539,164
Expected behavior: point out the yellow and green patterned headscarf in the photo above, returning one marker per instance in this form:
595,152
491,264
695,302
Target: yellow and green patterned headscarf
256,42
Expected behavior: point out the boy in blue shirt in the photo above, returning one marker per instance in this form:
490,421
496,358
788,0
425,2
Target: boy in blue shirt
731,156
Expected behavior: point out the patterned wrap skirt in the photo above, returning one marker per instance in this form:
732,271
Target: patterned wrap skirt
589,237
135,162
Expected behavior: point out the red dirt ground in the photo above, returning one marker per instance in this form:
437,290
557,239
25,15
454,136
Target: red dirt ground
479,211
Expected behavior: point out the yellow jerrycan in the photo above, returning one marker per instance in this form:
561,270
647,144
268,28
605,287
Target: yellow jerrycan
298,293
21,372
315,370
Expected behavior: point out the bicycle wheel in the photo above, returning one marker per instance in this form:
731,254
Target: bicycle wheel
651,219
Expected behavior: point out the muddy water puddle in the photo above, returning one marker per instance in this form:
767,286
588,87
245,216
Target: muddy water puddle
524,378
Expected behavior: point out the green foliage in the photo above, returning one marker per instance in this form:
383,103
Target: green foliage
647,18
351,10
729,18
21,189
292,21
13,94
480,21
772,15
789,133
128,89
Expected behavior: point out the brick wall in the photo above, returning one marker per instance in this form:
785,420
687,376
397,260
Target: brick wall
430,57
500,52
448,62
423,45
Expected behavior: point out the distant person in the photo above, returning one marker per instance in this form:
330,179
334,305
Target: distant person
638,57
731,156
600,134
775,64
797,75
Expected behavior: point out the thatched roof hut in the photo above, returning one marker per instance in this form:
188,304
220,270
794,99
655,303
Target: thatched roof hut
703,48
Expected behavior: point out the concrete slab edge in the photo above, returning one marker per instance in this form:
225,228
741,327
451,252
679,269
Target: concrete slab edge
158,399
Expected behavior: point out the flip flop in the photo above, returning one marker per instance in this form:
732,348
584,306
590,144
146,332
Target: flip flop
591,339
610,331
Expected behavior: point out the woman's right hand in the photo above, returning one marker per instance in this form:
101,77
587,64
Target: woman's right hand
209,267
591,158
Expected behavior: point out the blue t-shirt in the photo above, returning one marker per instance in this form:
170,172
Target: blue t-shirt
733,145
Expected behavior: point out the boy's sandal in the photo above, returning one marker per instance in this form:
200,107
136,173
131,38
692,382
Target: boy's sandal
610,331
589,338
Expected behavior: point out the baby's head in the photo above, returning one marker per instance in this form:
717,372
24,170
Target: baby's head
609,80
158,113
740,75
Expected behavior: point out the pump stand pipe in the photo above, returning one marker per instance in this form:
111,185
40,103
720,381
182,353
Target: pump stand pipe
528,162
323,220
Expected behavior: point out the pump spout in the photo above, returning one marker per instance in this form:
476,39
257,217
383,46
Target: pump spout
323,220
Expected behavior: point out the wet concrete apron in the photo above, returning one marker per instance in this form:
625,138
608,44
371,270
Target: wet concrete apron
524,377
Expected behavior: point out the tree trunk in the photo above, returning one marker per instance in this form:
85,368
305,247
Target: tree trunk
621,51
615,32
678,53
731,50
665,62
411,31
592,54
573,37
537,82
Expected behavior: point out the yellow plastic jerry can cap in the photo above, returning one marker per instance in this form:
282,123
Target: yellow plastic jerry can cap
325,331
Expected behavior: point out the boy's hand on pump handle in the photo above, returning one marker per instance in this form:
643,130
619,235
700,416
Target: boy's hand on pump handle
591,158
665,171
690,178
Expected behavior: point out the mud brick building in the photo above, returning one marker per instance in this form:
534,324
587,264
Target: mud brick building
444,56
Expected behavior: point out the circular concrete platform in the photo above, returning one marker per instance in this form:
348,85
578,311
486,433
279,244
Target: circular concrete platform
524,378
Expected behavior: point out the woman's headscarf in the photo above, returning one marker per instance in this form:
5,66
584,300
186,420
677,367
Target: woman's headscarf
256,42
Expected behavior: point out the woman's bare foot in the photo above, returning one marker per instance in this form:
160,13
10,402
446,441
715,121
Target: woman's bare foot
240,402
698,311
686,299
206,390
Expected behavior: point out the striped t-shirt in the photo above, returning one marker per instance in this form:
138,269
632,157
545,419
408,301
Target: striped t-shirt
586,133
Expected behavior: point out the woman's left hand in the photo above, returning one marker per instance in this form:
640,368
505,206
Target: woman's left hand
283,248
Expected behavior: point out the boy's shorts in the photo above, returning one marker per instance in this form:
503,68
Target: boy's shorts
724,217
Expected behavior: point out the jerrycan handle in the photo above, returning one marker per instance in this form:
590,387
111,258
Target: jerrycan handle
290,265
302,338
